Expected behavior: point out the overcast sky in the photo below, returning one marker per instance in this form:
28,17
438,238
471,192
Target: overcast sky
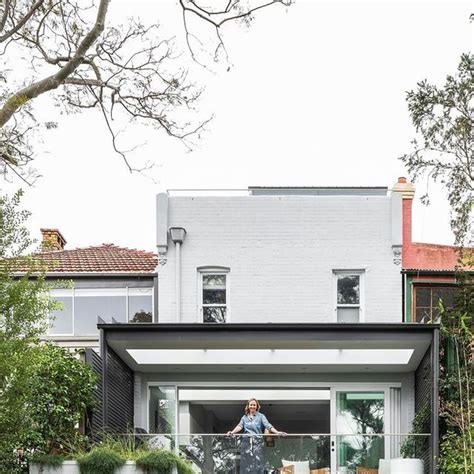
315,96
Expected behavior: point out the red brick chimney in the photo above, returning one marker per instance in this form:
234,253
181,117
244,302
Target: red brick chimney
52,240
407,191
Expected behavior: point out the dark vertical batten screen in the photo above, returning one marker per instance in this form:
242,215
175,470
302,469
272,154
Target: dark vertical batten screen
94,417
423,402
119,395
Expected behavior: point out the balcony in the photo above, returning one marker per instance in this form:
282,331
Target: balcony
298,453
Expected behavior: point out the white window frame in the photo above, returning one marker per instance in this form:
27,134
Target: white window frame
361,274
203,271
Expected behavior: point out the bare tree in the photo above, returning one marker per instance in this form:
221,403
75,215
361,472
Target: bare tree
119,70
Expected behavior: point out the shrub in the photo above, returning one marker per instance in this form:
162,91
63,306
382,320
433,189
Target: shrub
159,461
51,460
100,461
184,467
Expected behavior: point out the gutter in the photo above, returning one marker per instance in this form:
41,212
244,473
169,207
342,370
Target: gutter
200,327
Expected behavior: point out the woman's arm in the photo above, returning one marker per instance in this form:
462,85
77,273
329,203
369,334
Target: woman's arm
236,430
275,431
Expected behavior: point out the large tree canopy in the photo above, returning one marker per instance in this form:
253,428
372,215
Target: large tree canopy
444,150
72,51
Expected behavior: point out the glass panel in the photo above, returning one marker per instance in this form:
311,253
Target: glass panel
214,314
140,309
62,319
423,297
360,418
255,454
423,315
216,282
88,308
348,289
445,294
213,296
162,409
347,315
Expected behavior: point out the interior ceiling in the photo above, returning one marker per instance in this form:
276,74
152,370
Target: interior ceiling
309,417
232,412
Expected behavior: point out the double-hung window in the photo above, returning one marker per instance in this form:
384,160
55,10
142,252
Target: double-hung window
214,297
349,296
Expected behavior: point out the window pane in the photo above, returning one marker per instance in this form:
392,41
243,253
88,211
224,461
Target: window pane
88,308
62,319
423,315
162,410
347,315
214,315
140,309
445,294
216,282
423,297
357,413
348,289
213,296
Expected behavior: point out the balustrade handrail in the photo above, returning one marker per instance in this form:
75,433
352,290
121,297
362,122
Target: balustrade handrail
273,434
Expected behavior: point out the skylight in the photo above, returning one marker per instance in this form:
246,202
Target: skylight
272,357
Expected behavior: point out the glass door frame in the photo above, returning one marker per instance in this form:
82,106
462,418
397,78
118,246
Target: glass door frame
363,387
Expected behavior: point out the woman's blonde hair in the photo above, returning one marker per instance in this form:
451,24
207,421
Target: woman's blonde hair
247,410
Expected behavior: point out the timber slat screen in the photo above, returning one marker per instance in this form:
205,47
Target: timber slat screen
423,402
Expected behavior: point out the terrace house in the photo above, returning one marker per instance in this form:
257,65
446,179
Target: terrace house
290,295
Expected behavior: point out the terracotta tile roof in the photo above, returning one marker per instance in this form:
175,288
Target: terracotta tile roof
432,257
105,258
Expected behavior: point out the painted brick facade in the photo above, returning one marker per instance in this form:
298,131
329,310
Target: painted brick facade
282,251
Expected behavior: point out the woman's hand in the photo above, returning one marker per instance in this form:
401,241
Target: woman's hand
230,433
281,433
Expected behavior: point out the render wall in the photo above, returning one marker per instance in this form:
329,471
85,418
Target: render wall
281,252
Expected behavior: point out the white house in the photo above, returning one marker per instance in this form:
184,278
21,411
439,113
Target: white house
290,295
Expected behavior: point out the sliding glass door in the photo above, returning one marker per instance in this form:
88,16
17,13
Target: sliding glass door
359,427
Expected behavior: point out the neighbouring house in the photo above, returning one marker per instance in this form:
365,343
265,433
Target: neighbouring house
290,295
105,281
429,270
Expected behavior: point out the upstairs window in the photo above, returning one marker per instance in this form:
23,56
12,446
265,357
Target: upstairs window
214,287
427,301
348,298
81,307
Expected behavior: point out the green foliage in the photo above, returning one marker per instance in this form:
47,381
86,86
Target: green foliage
56,406
456,380
50,460
100,460
452,454
421,424
162,462
184,466
444,150
24,308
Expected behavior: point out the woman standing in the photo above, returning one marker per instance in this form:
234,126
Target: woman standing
253,424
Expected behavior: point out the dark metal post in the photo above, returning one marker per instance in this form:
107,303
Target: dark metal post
435,401
104,356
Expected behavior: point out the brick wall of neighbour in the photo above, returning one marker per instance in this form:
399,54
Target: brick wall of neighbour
281,251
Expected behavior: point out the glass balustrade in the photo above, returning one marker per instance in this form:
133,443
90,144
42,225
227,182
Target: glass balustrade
293,454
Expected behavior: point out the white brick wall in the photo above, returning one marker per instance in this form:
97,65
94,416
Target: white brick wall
281,251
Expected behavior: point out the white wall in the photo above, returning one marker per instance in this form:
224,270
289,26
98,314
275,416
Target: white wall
281,251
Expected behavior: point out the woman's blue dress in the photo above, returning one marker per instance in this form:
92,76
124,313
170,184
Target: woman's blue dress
252,447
